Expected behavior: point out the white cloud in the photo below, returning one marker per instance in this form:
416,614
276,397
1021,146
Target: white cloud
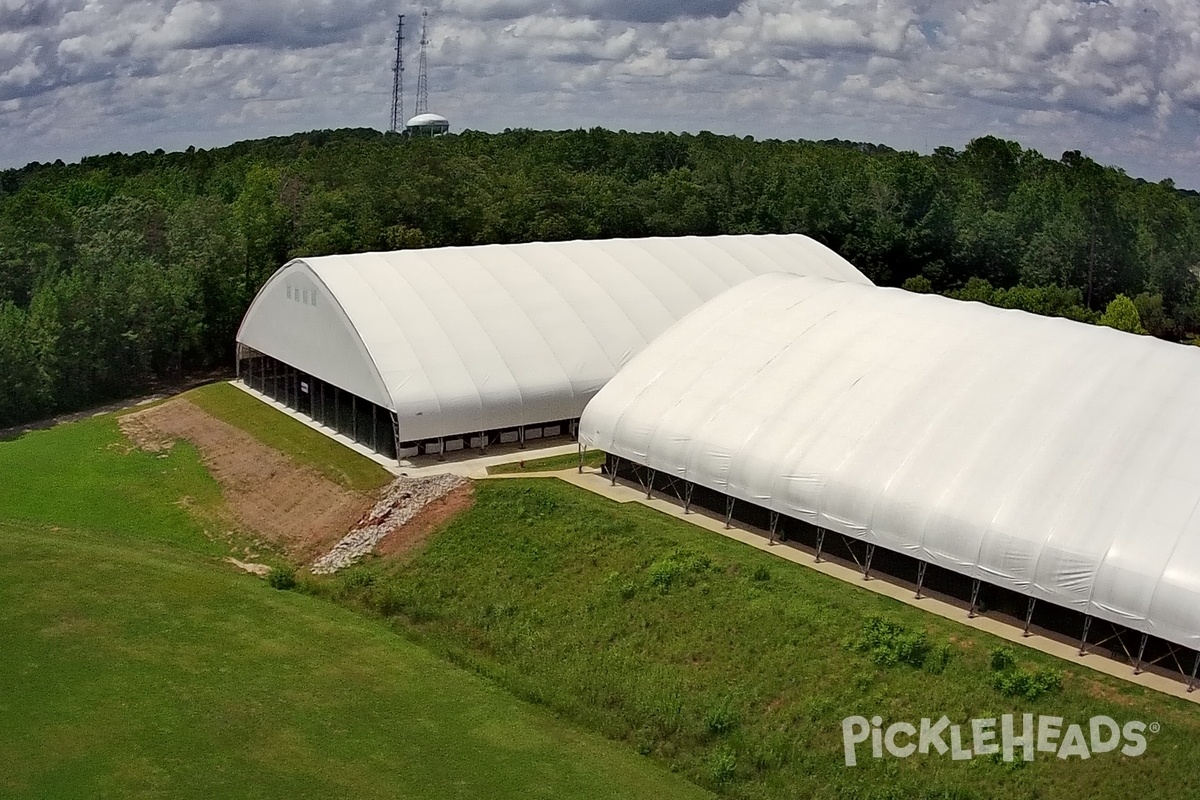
1045,118
83,76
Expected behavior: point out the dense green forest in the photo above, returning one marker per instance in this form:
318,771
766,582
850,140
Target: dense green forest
124,271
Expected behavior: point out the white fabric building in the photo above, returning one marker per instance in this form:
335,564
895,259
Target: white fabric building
467,340
1056,459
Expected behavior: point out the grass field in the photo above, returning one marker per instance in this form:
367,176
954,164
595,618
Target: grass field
592,458
136,665
143,667
731,666
305,446
85,475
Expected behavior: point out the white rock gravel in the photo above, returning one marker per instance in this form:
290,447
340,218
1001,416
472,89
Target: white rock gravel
401,501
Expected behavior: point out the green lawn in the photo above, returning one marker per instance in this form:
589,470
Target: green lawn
730,665
306,446
592,458
86,475
135,665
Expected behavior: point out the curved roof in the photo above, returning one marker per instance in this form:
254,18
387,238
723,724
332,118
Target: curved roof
465,339
1050,457
427,119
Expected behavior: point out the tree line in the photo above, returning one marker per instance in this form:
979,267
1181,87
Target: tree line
125,271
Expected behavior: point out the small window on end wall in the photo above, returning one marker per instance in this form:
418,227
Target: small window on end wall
305,300
289,292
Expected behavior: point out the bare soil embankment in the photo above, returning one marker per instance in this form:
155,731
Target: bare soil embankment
289,505
292,506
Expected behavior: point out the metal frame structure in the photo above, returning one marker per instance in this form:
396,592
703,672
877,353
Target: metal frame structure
423,67
398,78
328,405
367,423
1171,658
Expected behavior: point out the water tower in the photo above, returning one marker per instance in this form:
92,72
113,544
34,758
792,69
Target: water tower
427,125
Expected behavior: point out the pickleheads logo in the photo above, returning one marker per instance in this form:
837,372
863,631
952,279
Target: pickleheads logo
1005,737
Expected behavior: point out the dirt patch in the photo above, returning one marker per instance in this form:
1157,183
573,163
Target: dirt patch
1101,692
776,704
261,570
292,506
429,520
142,431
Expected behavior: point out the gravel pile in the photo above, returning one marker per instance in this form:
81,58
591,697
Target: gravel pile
402,501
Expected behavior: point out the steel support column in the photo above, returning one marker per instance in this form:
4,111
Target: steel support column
729,501
616,466
1137,664
1195,669
774,525
650,484
1029,615
867,564
974,598
1087,626
921,567
396,433
687,497
820,542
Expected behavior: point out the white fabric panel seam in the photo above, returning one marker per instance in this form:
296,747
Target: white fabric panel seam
450,340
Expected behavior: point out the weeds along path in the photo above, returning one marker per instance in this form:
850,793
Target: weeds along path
291,505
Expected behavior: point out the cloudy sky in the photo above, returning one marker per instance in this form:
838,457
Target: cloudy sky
1119,79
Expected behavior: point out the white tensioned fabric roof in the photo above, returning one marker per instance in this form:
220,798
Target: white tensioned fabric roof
1054,458
465,339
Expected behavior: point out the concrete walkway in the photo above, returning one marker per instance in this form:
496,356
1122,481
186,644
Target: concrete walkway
594,482
476,466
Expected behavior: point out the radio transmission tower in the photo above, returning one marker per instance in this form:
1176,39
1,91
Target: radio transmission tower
423,67
398,79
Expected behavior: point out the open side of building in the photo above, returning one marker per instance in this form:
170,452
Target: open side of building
1048,458
423,351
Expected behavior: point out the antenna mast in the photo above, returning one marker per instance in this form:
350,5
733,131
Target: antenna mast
398,79
423,68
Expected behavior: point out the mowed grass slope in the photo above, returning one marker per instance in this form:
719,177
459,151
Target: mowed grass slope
86,475
592,458
134,664
732,666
